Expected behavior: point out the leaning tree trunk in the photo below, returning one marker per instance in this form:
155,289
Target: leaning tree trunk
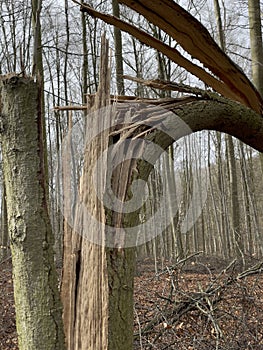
38,308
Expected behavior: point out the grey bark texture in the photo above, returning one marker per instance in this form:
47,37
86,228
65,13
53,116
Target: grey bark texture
118,50
38,308
256,43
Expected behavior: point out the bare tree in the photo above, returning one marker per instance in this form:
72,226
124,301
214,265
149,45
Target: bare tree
38,307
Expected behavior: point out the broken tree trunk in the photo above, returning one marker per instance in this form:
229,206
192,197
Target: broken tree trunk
97,293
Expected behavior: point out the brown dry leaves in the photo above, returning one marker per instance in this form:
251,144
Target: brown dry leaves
8,335
175,310
229,319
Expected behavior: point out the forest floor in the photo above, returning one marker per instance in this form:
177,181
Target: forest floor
199,303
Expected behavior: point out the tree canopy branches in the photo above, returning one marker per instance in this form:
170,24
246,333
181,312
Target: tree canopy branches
231,82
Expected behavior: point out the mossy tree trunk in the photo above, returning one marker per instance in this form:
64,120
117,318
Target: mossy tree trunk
38,308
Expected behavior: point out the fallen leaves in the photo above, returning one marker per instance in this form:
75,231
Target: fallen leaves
187,310
229,319
8,335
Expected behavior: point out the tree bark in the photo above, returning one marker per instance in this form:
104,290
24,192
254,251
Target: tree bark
85,63
38,72
38,308
118,50
4,227
256,43
235,208
256,48
99,280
